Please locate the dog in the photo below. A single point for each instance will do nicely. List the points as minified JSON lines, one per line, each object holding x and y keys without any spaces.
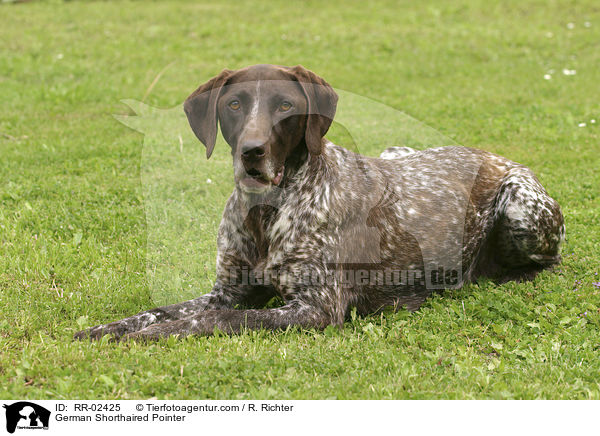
{"x":328,"y":230}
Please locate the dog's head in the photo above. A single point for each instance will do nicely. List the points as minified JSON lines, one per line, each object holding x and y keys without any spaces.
{"x":268,"y":114}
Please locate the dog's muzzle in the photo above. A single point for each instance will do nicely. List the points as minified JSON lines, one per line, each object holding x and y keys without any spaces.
{"x":260,"y":175}
{"x":256,"y":181}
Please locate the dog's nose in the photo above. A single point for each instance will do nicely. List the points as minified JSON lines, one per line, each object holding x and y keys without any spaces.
{"x":253,"y":149}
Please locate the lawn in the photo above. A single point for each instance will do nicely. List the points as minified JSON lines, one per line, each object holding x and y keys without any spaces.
{"x":77,"y":230}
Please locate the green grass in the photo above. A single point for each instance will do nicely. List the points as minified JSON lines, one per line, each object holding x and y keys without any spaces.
{"x":75,"y":240}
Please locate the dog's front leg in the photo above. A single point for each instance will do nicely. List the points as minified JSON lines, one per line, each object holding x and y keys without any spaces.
{"x":220,"y":297}
{"x":144,"y":319}
{"x":234,"y":321}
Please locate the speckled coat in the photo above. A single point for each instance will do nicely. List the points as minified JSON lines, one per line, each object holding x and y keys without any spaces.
{"x":344,"y":230}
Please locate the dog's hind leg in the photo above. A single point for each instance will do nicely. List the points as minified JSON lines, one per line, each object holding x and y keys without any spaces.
{"x":529,"y":226}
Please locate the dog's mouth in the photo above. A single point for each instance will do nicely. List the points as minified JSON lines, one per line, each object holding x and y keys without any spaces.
{"x":255,"y":181}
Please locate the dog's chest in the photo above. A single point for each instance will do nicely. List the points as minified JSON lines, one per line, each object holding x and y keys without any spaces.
{"x":257,"y":223}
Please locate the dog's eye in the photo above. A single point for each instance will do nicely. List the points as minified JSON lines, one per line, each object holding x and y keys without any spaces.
{"x":285,"y":106}
{"x":234,"y":105}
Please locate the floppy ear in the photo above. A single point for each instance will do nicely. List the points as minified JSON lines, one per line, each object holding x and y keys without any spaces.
{"x":322,"y":102}
{"x":201,"y":110}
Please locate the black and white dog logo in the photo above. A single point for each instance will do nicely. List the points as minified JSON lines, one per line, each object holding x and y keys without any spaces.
{"x":26,"y":415}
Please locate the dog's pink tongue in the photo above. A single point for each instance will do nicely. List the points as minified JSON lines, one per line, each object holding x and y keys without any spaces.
{"x":278,"y":177}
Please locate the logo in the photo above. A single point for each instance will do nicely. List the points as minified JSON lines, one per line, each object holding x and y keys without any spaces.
{"x":26,"y":415}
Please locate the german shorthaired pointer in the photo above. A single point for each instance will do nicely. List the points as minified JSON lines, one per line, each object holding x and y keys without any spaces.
{"x":327,"y":229}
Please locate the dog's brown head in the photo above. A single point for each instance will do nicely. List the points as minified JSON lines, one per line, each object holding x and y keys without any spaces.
{"x":269,"y":115}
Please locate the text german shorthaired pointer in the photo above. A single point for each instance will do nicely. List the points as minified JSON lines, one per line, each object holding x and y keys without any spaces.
{"x":327,"y":229}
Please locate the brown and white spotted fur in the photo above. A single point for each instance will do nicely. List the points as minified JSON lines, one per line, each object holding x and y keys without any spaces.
{"x":327,"y":230}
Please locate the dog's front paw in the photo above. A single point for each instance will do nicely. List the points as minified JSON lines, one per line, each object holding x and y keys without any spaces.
{"x":115,"y":329}
{"x":142,"y":336}
{"x":157,"y":331}
{"x":149,"y":334}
